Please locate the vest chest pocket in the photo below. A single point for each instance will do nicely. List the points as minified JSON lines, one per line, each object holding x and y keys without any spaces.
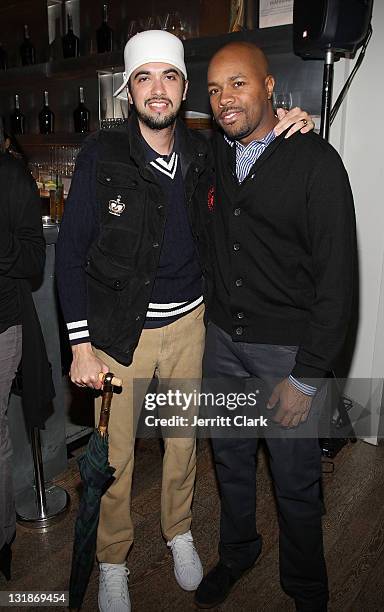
{"x":117,"y":175}
{"x":119,"y":191}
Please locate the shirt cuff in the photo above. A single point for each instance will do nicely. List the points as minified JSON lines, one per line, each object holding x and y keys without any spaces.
{"x":300,"y":386}
{"x":78,"y":332}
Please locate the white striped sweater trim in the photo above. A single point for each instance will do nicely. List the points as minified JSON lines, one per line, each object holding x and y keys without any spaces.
{"x":155,"y":311}
{"x":77,"y":324}
{"x":81,"y":332}
{"x":165,"y":311}
{"x":168,"y":168}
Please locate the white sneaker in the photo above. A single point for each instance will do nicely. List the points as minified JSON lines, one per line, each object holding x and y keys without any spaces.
{"x":187,"y":565}
{"x":113,"y":588}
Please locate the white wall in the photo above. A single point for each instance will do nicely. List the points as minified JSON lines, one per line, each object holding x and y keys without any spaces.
{"x":357,"y":133}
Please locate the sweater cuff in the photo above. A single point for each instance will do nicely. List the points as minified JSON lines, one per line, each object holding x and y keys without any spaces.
{"x":309,"y":375}
{"x":78,"y":332}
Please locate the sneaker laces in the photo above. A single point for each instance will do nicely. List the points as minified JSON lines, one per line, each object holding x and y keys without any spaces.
{"x":183,"y":547}
{"x":115,"y":579}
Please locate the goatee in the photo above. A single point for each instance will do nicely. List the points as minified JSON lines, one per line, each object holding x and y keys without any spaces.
{"x":236,"y":133}
{"x":157,"y":122}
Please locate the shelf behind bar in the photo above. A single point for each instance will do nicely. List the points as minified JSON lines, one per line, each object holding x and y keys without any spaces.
{"x":71,"y":139}
{"x":63,"y":69}
{"x":50,"y":140}
{"x":272,"y":40}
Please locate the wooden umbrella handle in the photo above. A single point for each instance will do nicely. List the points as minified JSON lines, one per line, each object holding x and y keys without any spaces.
{"x":116,"y":382}
{"x":108,"y":380}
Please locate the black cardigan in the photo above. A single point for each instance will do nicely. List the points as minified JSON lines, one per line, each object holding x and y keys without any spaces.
{"x":283,"y":250}
{"x":22,"y":245}
{"x":22,"y":257}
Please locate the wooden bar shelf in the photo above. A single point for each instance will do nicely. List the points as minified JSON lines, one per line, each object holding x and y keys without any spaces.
{"x":272,"y":40}
{"x":49,"y":140}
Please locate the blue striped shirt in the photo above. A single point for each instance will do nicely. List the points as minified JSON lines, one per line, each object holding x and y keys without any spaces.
{"x":246,"y":156}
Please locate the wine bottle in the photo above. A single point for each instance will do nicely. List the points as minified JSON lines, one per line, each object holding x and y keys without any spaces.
{"x":104,"y":34}
{"x":46,"y":118}
{"x":81,"y":114}
{"x":3,"y":58}
{"x":17,"y":118}
{"x":27,"y":50}
{"x":70,"y":41}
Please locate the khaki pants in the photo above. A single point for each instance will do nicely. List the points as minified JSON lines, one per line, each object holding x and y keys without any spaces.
{"x":173,"y":351}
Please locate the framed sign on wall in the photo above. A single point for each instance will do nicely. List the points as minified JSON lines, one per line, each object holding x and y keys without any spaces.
{"x":275,"y":13}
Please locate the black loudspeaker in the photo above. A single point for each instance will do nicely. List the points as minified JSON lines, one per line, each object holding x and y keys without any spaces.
{"x":337,"y":25}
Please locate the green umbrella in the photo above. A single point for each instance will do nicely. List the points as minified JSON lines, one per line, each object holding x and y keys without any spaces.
{"x":97,"y":475}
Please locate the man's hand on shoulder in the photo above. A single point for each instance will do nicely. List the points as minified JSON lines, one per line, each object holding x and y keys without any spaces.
{"x":294,"y":406}
{"x":86,"y":366}
{"x":295,"y":118}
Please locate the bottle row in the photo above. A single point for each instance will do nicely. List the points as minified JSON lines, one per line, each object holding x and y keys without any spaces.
{"x":69,"y":43}
{"x":81,"y":116}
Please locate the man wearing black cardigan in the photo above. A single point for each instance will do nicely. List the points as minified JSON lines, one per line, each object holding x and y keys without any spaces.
{"x":22,"y":257}
{"x":282,"y":230}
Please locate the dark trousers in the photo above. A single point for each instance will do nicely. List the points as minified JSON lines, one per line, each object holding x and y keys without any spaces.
{"x":295,"y":461}
{"x":10,"y":355}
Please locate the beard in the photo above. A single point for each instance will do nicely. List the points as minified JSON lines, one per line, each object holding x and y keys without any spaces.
{"x":157,"y":122}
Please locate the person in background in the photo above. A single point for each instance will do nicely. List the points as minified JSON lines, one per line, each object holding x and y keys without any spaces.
{"x":130,"y":285}
{"x":13,"y":147}
{"x":280,"y":284}
{"x":22,"y":256}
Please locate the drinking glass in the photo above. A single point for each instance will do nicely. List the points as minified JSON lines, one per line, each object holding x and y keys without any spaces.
{"x":173,"y":23}
{"x":148,"y":23}
{"x":161,"y":21}
{"x":282,"y":100}
{"x":133,"y":28}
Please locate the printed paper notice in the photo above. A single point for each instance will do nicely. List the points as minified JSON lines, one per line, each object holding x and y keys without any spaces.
{"x":275,"y":13}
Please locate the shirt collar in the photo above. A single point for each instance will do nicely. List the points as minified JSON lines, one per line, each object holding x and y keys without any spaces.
{"x":263,"y":141}
{"x":151,"y":154}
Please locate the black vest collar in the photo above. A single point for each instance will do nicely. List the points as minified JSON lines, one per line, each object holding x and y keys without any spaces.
{"x":126,"y":143}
